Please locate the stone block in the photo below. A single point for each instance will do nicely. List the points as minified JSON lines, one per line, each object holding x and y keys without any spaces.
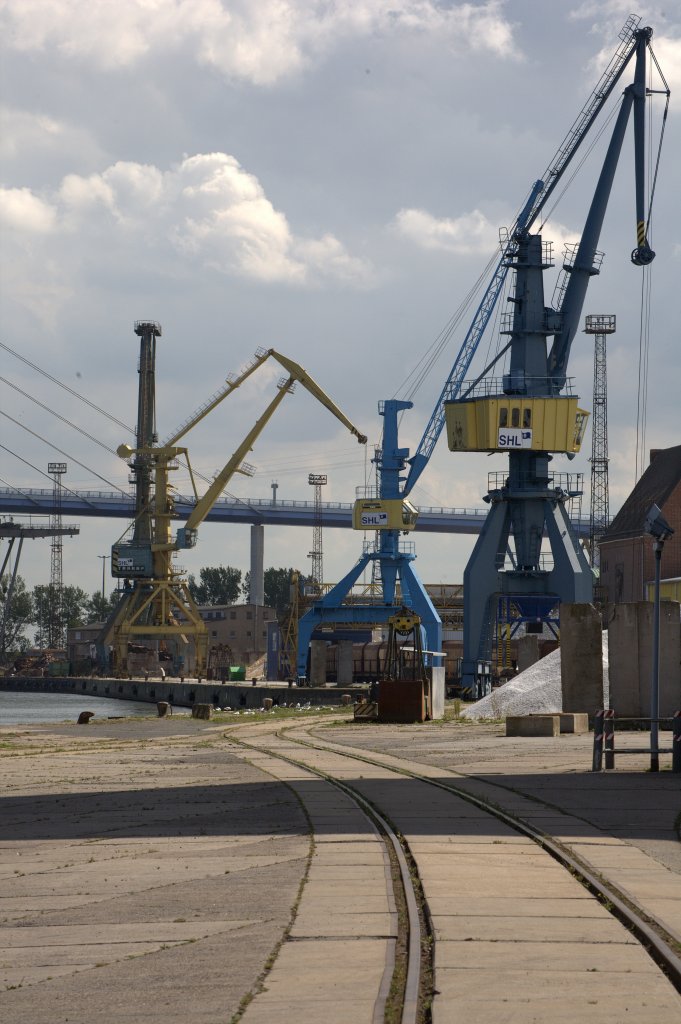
{"x":581,"y":658}
{"x":318,"y":662}
{"x":574,"y":722}
{"x":533,"y":725}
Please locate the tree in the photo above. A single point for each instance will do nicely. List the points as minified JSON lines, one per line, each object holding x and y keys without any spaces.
{"x":221,"y":585}
{"x":99,"y":608}
{"x":277,"y":589}
{"x":15,"y":616}
{"x":73,"y":603}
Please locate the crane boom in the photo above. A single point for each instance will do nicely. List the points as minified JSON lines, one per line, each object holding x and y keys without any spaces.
{"x":186,"y":536}
{"x":539,"y":195}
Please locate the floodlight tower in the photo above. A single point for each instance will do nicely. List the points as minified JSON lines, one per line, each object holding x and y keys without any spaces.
{"x":317,"y":480}
{"x":600,"y":326}
{"x":56,"y":632}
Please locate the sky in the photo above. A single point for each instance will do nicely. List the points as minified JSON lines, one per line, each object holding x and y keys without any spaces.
{"x":325,"y":178}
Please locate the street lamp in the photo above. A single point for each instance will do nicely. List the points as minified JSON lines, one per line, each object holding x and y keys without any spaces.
{"x":660,"y":530}
{"x":104,"y":558}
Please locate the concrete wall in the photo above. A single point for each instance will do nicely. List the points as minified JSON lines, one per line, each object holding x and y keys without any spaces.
{"x":581,"y":658}
{"x":630,"y":655}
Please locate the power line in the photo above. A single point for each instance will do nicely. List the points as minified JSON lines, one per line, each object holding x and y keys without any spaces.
{"x":61,"y":452}
{"x":65,"y":387}
{"x":57,"y":415}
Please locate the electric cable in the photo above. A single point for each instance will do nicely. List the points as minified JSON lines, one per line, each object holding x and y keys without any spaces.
{"x":58,"y":416}
{"x":65,"y":387}
{"x":61,"y":452}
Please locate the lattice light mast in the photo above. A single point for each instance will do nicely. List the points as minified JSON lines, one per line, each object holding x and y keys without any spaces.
{"x":600,"y":326}
{"x":317,"y":480}
{"x":56,"y":631}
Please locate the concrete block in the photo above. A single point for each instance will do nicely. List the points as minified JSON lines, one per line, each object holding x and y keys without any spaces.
{"x":581,"y":658}
{"x":318,"y":662}
{"x":437,"y":693}
{"x":533,"y":725}
{"x":344,"y":669}
{"x":528,"y":651}
{"x":574,"y":722}
{"x":630,"y":653}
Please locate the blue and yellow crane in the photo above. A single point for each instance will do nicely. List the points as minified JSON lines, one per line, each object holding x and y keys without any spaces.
{"x":529,"y":410}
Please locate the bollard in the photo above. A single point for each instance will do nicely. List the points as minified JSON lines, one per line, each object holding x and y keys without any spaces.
{"x":267,"y":703}
{"x":202,"y":710}
{"x":346,"y":699}
{"x":676,"y":742}
{"x":597,"y":758}
{"x":609,"y":738}
{"x":163,"y":707}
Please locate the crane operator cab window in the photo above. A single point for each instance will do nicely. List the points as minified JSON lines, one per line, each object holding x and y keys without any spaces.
{"x":503,"y":417}
{"x":515,"y":416}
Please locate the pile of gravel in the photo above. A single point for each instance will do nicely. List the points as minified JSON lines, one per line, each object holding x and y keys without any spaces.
{"x":535,"y":691}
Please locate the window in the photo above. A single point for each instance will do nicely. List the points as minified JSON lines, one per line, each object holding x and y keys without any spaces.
{"x":515,"y":417}
{"x":249,"y":615}
{"x":232,"y":633}
{"x":248,"y":632}
{"x":232,"y":615}
{"x":527,"y":418}
{"x":503,"y":417}
{"x":213,"y":632}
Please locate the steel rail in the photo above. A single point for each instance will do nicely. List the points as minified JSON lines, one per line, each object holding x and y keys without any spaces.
{"x":651,"y":934}
{"x":410,"y":999}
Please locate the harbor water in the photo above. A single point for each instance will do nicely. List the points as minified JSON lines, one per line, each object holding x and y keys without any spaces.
{"x":48,"y":708}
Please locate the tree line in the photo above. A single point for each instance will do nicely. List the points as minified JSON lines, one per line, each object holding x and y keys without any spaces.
{"x":26,"y":619}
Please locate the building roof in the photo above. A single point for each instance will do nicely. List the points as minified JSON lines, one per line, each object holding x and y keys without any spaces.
{"x":655,"y":487}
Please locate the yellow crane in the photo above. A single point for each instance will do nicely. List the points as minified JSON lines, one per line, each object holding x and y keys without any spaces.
{"x":157,"y":603}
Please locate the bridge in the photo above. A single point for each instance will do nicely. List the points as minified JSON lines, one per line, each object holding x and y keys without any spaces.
{"x":255,"y":511}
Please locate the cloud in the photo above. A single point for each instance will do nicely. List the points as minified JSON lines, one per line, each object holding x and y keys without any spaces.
{"x":25,"y":212}
{"x":259,"y":42}
{"x":208,"y":210}
{"x":470,"y":233}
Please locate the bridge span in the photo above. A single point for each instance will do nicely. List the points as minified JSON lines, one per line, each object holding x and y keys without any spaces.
{"x":255,"y":511}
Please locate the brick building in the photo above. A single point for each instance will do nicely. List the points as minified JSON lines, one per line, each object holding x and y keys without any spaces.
{"x":627,"y":558}
{"x":242,"y":626}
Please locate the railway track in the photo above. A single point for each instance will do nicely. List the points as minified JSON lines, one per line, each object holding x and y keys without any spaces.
{"x":499,"y":920}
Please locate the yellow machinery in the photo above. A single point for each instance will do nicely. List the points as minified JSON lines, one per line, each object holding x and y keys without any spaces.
{"x":505,"y":423}
{"x":157,"y":603}
{"x":384,"y":514}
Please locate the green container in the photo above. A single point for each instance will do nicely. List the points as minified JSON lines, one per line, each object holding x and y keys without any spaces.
{"x":237,"y":673}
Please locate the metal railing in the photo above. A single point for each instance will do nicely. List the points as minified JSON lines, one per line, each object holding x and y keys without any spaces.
{"x":604,"y":740}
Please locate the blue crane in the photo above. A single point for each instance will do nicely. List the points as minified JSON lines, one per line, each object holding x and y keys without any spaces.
{"x":512,"y":413}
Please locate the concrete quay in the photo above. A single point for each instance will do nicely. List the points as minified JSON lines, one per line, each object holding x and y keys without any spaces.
{"x":181,"y":694}
{"x":164,"y":869}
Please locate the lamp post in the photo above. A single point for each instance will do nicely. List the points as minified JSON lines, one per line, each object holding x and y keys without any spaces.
{"x":104,"y":559}
{"x":660,"y":530}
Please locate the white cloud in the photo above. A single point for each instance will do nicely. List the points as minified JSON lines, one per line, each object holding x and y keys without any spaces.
{"x":209,"y":209}
{"x":260,"y":42}
{"x":25,"y":212}
{"x":470,"y":233}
